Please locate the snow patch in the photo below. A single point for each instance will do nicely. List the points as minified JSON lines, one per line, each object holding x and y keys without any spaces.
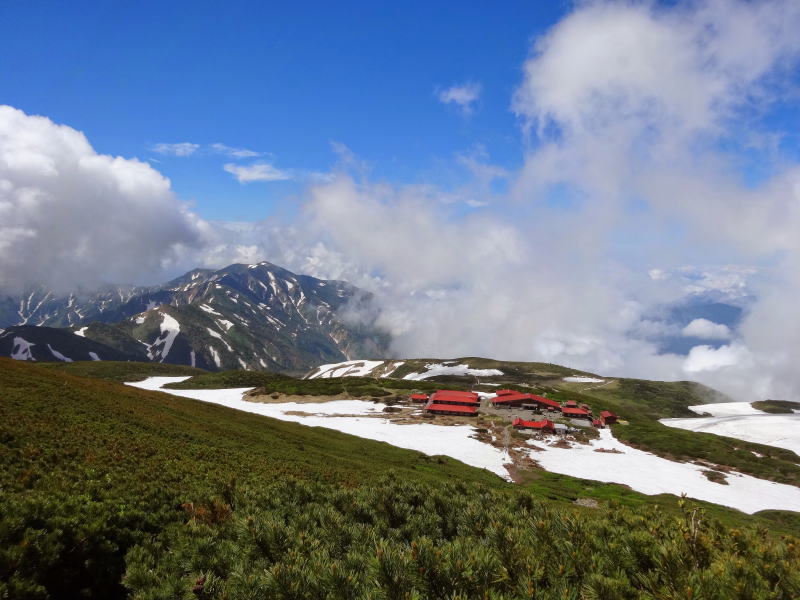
{"x":81,"y":332}
{"x":651,"y":474}
{"x":170,"y":328}
{"x":434,"y":370}
{"x":58,"y":354}
{"x":351,"y":368}
{"x":215,"y":356}
{"x":213,"y":333}
{"x":579,"y":379}
{"x":781,"y":431}
{"x":208,"y":309}
{"x":225,"y":323}
{"x":93,"y":356}
{"x":727,"y":409}
{"x":21,"y":349}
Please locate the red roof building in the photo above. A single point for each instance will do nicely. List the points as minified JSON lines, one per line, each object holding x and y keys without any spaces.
{"x":544,"y":402}
{"x":540,"y":425}
{"x":509,"y":400}
{"x":575,"y":413}
{"x":456,"y":393}
{"x":571,"y":404}
{"x":598,"y":423}
{"x":608,"y":417}
{"x":506,"y":392}
{"x":455,"y":398}
{"x":451,"y":409}
{"x":419,"y":397}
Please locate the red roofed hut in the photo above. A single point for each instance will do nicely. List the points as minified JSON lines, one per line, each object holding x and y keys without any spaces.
{"x":456,"y":399}
{"x":543,"y":402}
{"x":545,"y":425}
{"x":509,"y":400}
{"x":506,"y":392}
{"x":575,"y":413}
{"x":571,"y":404}
{"x":598,"y":423}
{"x":608,"y":417}
{"x":419,"y":397}
{"x":451,"y":409}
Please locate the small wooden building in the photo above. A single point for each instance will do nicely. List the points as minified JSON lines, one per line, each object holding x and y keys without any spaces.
{"x":419,"y":397}
{"x":575,"y":413}
{"x":608,"y":417}
{"x":545,"y":425}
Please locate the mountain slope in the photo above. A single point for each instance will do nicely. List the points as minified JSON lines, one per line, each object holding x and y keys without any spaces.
{"x":27,"y":342}
{"x":114,"y":492}
{"x":260,"y":317}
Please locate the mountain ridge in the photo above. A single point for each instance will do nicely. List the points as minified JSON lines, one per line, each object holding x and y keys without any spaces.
{"x":259,"y":316}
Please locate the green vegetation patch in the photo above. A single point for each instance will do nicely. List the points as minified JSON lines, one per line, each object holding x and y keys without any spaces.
{"x":121,"y":371}
{"x":268,"y":383}
{"x":777,"y":407}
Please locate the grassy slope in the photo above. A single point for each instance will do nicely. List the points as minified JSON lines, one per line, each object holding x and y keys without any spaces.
{"x":777,"y":407}
{"x":121,"y":371}
{"x":89,"y":469}
{"x":86,"y":459}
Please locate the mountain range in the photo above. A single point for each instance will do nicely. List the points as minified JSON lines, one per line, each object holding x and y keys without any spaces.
{"x":256,"y":317}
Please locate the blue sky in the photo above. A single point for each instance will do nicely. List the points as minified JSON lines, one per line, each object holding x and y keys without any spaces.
{"x":283,"y":79}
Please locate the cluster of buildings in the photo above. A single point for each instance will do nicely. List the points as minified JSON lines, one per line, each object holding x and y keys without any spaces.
{"x":452,"y":402}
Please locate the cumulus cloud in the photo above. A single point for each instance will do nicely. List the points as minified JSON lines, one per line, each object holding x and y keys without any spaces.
{"x":706,"y":330}
{"x":72,"y":217}
{"x":180,"y":149}
{"x":464,"y":96}
{"x":258,"y":171}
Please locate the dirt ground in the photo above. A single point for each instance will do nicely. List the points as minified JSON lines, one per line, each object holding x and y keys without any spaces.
{"x":492,"y":425}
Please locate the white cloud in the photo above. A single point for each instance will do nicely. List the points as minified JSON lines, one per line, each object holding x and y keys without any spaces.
{"x":706,"y":330}
{"x":234,"y":152}
{"x":706,"y":358}
{"x":464,"y":96}
{"x":258,"y":171}
{"x":181,"y":149}
{"x":70,"y":217}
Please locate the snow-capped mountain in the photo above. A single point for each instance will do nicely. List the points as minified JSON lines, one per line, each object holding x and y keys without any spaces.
{"x":243,"y":316}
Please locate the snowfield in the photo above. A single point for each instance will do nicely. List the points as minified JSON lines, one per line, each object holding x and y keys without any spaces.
{"x":642,"y":471}
{"x":651,"y":474}
{"x":578,"y":379}
{"x":781,"y":431}
{"x":727,"y":409}
{"x":351,"y":368}
{"x":434,"y":370}
{"x":452,"y":441}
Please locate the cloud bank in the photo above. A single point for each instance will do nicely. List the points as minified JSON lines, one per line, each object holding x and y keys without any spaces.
{"x":70,"y":217}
